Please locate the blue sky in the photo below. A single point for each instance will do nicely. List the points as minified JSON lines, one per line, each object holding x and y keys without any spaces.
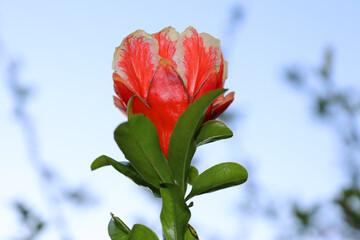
{"x":66,"y":50}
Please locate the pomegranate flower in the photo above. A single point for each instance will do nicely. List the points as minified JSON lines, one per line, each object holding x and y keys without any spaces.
{"x":166,"y":72}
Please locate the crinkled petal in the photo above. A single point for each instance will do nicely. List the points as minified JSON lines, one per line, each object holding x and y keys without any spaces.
{"x":225,"y":74}
{"x":136,"y":60}
{"x":197,"y":56}
{"x":167,"y":39}
{"x":220,"y":105}
{"x":222,"y":75}
{"x":119,"y":103}
{"x":168,"y":99}
{"x":121,"y":90}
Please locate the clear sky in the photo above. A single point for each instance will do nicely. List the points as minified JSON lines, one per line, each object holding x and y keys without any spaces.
{"x":66,"y":50}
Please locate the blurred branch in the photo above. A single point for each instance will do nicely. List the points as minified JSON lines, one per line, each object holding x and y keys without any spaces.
{"x":338,"y":107}
{"x":21,"y":94}
{"x":32,"y":224}
{"x":55,"y":192}
{"x":236,"y":17}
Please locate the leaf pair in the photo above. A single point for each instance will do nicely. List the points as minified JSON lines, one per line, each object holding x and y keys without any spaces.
{"x":175,"y":213}
{"x":174,"y":216}
{"x":119,"y":231}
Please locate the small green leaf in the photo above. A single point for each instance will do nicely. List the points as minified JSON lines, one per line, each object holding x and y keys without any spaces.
{"x":139,"y":141}
{"x":175,"y":214}
{"x":220,"y":176}
{"x":117,"y":229}
{"x":126,"y":169}
{"x":212,"y":131}
{"x":140,"y":232}
{"x":182,"y":145}
{"x":191,"y":233}
{"x":194,"y":173}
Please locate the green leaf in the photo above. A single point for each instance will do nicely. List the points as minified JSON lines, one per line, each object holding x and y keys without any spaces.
{"x":191,"y":233}
{"x":194,"y":173}
{"x":182,"y":145}
{"x":175,"y":214}
{"x":220,"y":176}
{"x":212,"y":131}
{"x":139,"y":141}
{"x":117,"y":229}
{"x":126,"y":169}
{"x":140,"y":232}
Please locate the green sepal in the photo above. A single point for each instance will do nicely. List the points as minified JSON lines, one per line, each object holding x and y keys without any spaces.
{"x":140,"y":232}
{"x":212,"y":131}
{"x":174,"y":214}
{"x":130,"y":107}
{"x":117,"y":229}
{"x":182,"y":145}
{"x":139,"y":141}
{"x":220,"y":176}
{"x":126,"y":169}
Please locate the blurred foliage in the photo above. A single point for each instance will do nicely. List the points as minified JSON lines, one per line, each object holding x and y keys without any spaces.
{"x":235,"y":18}
{"x":336,"y":107}
{"x":56,"y":193}
{"x":349,"y":202}
{"x":32,"y":224}
{"x":304,"y":216}
{"x":339,"y":109}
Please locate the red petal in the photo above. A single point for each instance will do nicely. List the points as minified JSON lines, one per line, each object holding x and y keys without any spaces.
{"x":167,"y":39}
{"x":197,"y":57}
{"x":220,"y":105}
{"x":209,"y":85}
{"x":167,"y":98}
{"x":119,"y":103}
{"x":120,"y":89}
{"x":136,"y":60}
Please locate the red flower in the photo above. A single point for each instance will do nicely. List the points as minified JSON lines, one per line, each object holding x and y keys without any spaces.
{"x":166,"y":72}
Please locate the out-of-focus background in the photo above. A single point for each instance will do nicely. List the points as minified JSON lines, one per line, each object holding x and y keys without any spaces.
{"x":294,"y":66}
